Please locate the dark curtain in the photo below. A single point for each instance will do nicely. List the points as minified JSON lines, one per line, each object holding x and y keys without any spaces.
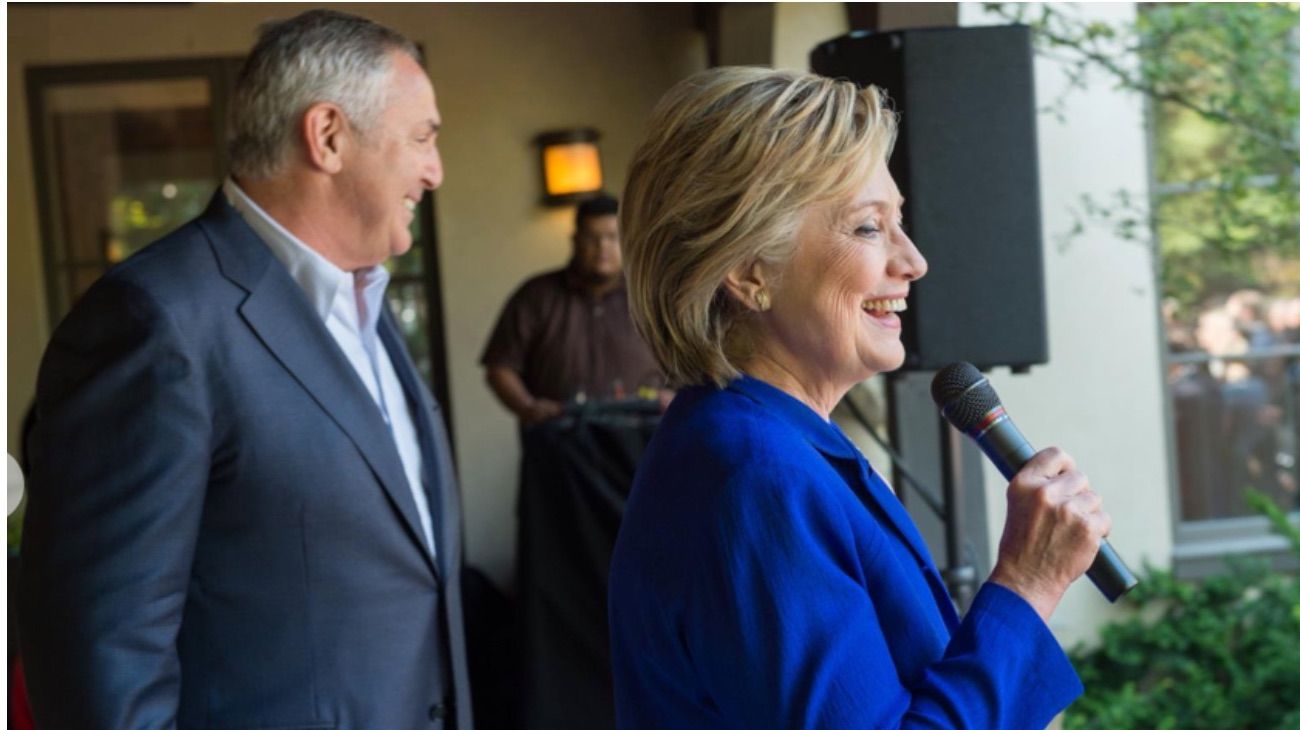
{"x":574,"y":481}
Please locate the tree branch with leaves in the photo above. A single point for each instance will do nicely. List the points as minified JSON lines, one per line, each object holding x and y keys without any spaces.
{"x":1222,"y":83}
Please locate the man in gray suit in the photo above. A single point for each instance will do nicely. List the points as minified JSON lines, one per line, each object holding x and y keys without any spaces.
{"x":242,"y":511}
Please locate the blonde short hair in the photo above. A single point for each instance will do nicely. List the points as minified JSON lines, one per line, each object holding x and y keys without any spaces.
{"x":733,"y":159}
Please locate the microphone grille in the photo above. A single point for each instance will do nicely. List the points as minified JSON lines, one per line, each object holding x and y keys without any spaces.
{"x":963,"y":394}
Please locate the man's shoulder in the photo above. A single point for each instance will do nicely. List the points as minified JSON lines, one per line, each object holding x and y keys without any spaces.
{"x":179,"y":271}
{"x":538,"y":290}
{"x":547,"y":282}
{"x":183,"y":256}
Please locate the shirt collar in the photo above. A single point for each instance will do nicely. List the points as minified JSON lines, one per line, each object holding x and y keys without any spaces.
{"x":825,"y":436}
{"x":374,"y":281}
{"x":319,"y":279}
{"x":573,"y":280}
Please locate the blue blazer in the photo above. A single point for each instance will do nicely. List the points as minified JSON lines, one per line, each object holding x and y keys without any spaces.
{"x":220,"y":533}
{"x":766,"y":577}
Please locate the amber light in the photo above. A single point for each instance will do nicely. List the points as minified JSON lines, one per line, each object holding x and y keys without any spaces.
{"x":570,"y":165}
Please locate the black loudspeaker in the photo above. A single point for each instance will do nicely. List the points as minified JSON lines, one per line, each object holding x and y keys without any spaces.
{"x":966,"y":161}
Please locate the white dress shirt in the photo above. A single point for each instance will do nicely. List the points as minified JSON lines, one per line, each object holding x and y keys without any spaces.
{"x":334,"y":294}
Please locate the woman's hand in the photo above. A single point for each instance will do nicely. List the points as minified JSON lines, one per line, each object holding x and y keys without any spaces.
{"x":1054,"y":528}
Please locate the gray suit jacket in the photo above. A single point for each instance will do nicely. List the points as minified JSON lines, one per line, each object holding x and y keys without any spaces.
{"x":220,"y":533}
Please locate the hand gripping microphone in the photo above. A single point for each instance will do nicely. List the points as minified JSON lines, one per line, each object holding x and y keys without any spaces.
{"x":970,"y":404}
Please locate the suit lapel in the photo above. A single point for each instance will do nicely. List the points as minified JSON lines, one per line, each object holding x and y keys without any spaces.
{"x":277,"y":310}
{"x":903,"y":524}
{"x":895,"y":515}
{"x":436,"y":484}
{"x":444,"y":499}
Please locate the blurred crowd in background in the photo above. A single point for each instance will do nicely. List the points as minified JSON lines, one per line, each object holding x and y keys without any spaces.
{"x":1234,"y":374}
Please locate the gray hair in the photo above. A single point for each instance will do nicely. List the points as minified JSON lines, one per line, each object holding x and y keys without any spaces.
{"x":319,"y":55}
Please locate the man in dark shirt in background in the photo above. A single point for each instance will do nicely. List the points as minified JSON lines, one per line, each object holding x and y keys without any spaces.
{"x":566,"y":334}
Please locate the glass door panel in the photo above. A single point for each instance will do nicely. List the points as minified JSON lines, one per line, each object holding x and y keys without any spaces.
{"x":130,"y":162}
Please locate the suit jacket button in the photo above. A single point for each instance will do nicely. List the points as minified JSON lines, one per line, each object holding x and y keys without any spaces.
{"x":437,"y":712}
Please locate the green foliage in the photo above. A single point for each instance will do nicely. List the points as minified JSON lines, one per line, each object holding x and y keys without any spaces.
{"x":1221,"y":82}
{"x":1222,"y":653}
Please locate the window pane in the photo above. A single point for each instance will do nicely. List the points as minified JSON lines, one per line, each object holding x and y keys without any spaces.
{"x":410,"y":306}
{"x":131,"y":162}
{"x":80,"y":278}
{"x":1191,"y":148}
{"x":1235,"y":430}
{"x":1223,"y":76}
{"x":1227,"y":217}
{"x":1213,"y":244}
{"x":410,"y":263}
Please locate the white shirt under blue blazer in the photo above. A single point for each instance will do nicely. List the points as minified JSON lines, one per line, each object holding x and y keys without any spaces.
{"x":766,"y":577}
{"x":221,"y":532}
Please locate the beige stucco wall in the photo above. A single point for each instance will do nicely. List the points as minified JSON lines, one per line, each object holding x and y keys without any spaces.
{"x":800,"y":27}
{"x":779,"y":35}
{"x":502,"y":73}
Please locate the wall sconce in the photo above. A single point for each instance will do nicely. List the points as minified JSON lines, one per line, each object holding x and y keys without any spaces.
{"x":570,"y":165}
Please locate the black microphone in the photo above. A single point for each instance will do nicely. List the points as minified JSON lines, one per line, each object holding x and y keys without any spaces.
{"x":969,"y":403}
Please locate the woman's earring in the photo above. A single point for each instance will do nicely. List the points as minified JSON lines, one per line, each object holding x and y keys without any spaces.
{"x":763,"y":301}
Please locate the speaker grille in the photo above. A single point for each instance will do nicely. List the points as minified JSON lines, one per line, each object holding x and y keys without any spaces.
{"x":963,"y":394}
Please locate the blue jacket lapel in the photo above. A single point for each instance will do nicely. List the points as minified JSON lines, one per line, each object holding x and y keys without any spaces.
{"x":277,"y":310}
{"x":902,"y":523}
{"x":835,"y":446}
{"x":895,"y":514}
